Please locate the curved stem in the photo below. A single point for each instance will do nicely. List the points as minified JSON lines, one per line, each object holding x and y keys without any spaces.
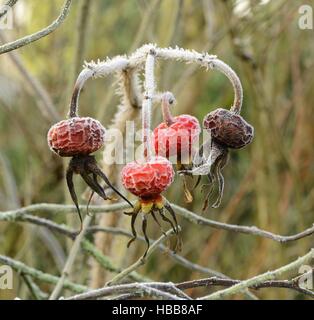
{"x":167,"y":99}
{"x":205,"y":60}
{"x":83,"y":76}
{"x":236,"y":83}
{"x":94,"y":69}
{"x":147,"y":102}
{"x":147,"y":54}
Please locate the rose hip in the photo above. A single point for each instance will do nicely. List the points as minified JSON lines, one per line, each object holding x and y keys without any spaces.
{"x":148,"y":179}
{"x":76,"y":136}
{"x":228,"y":128}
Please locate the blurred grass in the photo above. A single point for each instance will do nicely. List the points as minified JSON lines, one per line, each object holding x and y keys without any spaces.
{"x":268,"y":184}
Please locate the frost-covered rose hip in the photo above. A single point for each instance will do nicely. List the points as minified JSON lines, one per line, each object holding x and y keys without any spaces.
{"x":76,"y":136}
{"x":147,"y":180}
{"x":176,"y":135}
{"x":176,"y":138}
{"x":228,"y":128}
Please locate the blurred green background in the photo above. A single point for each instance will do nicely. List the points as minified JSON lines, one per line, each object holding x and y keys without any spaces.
{"x":268,"y":184}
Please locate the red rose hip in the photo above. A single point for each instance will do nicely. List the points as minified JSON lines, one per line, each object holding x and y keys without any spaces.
{"x":176,"y":135}
{"x":76,"y":136}
{"x":148,"y":179}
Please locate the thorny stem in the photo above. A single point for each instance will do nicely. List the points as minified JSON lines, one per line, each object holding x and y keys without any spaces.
{"x":167,"y":99}
{"x":147,"y":102}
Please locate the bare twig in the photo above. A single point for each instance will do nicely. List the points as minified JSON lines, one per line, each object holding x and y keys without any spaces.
{"x":39,"y":34}
{"x":132,"y":290}
{"x":71,"y":258}
{"x":106,"y":263}
{"x":253,"y":230}
{"x":147,"y":288}
{"x":33,"y":288}
{"x":140,"y":261}
{"x":177,"y":258}
{"x":214,"y":281}
{"x":24,"y":217}
{"x":19,"y":215}
{"x":23,"y":214}
{"x":54,"y":208}
{"x":22,"y":268}
{"x":270,"y":275}
{"x":45,"y":105}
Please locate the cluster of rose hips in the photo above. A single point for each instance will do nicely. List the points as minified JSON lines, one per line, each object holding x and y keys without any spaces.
{"x":78,"y":137}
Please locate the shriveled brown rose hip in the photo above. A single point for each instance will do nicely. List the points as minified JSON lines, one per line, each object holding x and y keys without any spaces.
{"x":228,"y":128}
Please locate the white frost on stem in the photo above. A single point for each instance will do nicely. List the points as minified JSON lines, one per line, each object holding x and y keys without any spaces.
{"x":94,"y":70}
{"x":149,"y":86}
{"x":234,"y":79}
{"x":138,"y":60}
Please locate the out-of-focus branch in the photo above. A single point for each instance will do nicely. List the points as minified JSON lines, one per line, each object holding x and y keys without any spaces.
{"x":53,"y":208}
{"x":46,"y":106}
{"x":257,"y":280}
{"x":71,"y":258}
{"x":82,"y":29}
{"x":22,"y":268}
{"x":106,"y":263}
{"x":39,"y":34}
{"x":136,"y":289}
{"x":24,"y":217}
{"x":267,"y":282}
{"x":214,"y":281}
{"x":253,"y":230}
{"x":23,"y":214}
{"x":147,"y":288}
{"x":177,"y":258}
{"x":140,"y":261}
{"x":33,"y":288}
